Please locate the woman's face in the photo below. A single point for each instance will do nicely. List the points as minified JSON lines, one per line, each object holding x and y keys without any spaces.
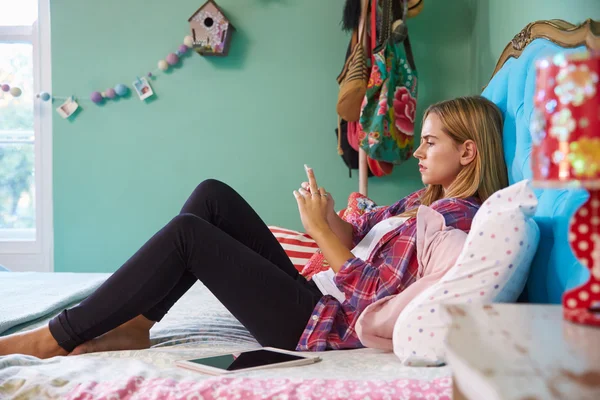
{"x":440,"y":157}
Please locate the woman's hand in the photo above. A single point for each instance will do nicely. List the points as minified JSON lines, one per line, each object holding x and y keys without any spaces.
{"x":330,"y":201}
{"x":341,"y":228}
{"x":313,"y":204}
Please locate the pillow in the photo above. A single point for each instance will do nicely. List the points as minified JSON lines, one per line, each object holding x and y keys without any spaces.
{"x":438,"y":247}
{"x":358,"y":204}
{"x":298,"y":246}
{"x":492,"y":267}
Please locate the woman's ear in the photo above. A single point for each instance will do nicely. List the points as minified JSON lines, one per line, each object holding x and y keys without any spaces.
{"x":469,"y":152}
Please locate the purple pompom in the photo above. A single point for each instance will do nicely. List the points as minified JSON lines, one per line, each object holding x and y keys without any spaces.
{"x":172,"y":59}
{"x":5,"y":87}
{"x":183,"y":49}
{"x":149,"y":74}
{"x":110,"y":93}
{"x":96,"y":97}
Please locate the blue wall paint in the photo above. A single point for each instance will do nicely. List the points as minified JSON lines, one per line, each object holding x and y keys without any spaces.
{"x":252,"y":119}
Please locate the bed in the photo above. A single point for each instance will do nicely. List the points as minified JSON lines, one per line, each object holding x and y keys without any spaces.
{"x":191,"y":331}
{"x":186,"y":332}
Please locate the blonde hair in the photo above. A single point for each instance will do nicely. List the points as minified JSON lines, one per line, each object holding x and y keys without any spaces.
{"x":478,"y":119}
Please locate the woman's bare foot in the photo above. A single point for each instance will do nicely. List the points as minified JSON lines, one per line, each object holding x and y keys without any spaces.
{"x":132,"y":335}
{"x":38,"y":343}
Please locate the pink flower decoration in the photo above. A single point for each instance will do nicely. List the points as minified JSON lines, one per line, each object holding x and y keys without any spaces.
{"x":374,"y":78}
{"x":383,"y":106}
{"x":404,"y":110}
{"x":373,"y":138}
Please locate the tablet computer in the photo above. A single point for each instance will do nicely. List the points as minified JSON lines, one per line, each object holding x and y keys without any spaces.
{"x":266,"y":357}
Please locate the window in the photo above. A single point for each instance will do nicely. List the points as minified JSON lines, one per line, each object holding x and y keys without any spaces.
{"x":25,"y":136}
{"x":17,"y":155}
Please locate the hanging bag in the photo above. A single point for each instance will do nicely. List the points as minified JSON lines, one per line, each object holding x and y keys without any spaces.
{"x":388,"y":110}
{"x":354,"y":75}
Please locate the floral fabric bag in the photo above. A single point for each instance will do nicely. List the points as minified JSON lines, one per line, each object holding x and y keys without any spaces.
{"x":388,"y":110}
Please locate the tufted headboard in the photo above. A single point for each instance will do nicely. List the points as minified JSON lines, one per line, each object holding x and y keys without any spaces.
{"x":554,"y":267}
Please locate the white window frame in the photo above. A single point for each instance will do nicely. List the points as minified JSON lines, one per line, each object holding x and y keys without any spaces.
{"x":38,"y":254}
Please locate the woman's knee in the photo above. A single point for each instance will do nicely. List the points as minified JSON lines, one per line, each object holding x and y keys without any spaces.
{"x":186,"y":222}
{"x":213,"y":188}
{"x":211,"y":185}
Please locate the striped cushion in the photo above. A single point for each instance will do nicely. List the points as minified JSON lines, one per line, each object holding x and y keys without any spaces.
{"x":297,"y":245}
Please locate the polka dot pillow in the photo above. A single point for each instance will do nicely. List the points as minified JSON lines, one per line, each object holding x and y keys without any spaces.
{"x":493,"y":266}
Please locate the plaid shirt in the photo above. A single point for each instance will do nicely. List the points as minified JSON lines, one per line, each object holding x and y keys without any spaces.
{"x":391,"y":268}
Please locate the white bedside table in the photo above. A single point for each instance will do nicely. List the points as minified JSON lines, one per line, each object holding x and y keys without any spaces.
{"x":521,"y":351}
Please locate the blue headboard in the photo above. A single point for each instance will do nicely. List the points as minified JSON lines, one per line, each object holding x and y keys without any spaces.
{"x":554,"y":267}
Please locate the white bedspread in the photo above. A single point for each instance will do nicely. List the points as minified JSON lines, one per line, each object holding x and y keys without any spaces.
{"x":198,"y":325}
{"x":26,"y":296}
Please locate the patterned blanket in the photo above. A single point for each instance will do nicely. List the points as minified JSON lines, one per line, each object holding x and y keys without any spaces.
{"x":197,"y":326}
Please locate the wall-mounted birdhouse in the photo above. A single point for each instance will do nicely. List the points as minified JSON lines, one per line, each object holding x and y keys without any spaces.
{"x":211,"y":30}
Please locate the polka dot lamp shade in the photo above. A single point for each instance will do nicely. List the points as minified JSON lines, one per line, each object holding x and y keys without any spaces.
{"x":565,"y":131}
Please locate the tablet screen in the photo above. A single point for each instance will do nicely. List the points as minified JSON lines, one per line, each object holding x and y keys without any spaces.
{"x":247,"y":359}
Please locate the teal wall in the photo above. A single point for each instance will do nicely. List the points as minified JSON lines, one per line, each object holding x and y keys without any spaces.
{"x":497,"y":22}
{"x":252,"y":119}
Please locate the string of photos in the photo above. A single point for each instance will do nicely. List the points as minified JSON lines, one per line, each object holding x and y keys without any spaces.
{"x":211,"y":36}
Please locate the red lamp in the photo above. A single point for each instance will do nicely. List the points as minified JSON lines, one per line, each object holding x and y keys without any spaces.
{"x":565,"y":133}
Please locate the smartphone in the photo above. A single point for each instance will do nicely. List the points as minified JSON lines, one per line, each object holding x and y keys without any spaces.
{"x":266,"y":357}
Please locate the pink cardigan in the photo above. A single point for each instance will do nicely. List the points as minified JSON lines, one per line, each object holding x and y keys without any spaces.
{"x":438,"y":248}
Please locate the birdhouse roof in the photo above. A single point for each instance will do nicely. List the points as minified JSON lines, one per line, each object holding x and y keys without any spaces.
{"x":204,"y":5}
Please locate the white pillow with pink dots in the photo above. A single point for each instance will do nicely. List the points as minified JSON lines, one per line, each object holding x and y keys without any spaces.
{"x":492,"y":267}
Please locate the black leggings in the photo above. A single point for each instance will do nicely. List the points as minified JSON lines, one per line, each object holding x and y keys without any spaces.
{"x":220,"y":240}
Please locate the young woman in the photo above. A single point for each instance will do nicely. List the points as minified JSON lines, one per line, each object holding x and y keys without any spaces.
{"x":219,"y":239}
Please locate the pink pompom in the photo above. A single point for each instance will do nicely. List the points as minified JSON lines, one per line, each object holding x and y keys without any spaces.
{"x":110,"y":93}
{"x":172,"y":59}
{"x":5,"y":87}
